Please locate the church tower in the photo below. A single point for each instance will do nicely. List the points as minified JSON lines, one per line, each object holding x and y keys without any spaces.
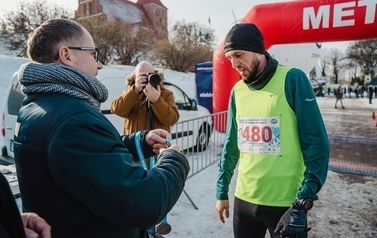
{"x":158,"y":15}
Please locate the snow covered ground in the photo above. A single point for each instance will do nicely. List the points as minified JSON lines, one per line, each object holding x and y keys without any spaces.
{"x":347,"y":206}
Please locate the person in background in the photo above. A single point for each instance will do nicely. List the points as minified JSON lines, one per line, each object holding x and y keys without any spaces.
{"x":73,"y":167}
{"x":362,"y":90}
{"x":16,"y":225}
{"x":146,"y":106}
{"x":339,"y":96}
{"x":140,"y":96}
{"x":349,"y":91}
{"x":356,"y":91}
{"x":276,"y":135}
{"x":370,"y":93}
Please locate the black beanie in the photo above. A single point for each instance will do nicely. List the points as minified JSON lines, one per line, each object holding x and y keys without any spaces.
{"x":244,"y":36}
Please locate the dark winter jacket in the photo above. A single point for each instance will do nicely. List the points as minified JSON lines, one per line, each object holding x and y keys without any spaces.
{"x":76,"y":172}
{"x":10,"y":220}
{"x":339,"y":93}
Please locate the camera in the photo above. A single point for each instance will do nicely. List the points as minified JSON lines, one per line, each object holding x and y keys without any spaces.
{"x":154,"y":79}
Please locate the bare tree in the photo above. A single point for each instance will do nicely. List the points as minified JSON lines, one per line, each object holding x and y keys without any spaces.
{"x":352,"y":68}
{"x":313,"y":73}
{"x":364,"y":53}
{"x":336,"y":57}
{"x":193,"y":32}
{"x":119,"y":41}
{"x":17,"y":25}
{"x":181,"y":55}
{"x":186,"y":46}
{"x":104,"y":34}
{"x":131,"y":41}
{"x":324,"y":62}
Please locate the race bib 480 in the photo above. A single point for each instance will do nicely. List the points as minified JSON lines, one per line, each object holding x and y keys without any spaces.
{"x":259,"y":135}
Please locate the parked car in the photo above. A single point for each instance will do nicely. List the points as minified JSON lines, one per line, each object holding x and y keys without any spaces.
{"x":193,"y":129}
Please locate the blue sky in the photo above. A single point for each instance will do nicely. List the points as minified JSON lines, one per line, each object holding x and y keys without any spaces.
{"x":222,"y":13}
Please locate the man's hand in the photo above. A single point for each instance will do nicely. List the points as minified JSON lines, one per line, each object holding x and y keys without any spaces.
{"x":221,"y":206}
{"x":140,"y":82}
{"x":293,"y":221}
{"x":152,"y":93}
{"x":35,"y":226}
{"x":157,"y":139}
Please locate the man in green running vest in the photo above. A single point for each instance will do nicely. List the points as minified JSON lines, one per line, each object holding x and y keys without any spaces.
{"x":276,"y":135}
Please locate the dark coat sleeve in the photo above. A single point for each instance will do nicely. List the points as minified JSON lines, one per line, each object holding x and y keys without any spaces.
{"x":10,"y":219}
{"x":91,"y":162}
{"x":130,"y":142}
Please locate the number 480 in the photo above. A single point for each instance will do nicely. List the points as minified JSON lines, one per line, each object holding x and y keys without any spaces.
{"x":256,"y":134}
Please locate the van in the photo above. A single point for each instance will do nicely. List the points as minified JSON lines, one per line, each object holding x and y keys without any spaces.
{"x":12,"y":104}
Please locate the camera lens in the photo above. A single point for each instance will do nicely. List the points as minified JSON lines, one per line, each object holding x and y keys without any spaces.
{"x":154,"y":80}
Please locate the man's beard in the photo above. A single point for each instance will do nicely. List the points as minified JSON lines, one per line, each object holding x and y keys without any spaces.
{"x":253,"y":72}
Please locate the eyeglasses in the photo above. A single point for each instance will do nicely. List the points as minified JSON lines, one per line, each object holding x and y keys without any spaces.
{"x":95,"y":49}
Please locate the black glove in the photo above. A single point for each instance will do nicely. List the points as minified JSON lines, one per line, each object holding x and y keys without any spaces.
{"x":293,"y":221}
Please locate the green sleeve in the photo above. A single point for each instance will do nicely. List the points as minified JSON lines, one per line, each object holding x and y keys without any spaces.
{"x":230,"y":154}
{"x":312,"y":133}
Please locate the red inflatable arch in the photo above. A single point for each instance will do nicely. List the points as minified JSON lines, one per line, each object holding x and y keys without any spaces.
{"x":296,"y":22}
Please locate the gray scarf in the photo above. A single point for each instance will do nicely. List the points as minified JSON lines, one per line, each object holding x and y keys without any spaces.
{"x":57,"y":78}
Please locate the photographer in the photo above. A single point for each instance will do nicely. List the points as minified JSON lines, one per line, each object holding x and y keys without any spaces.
{"x":140,"y":95}
{"x":146,"y":104}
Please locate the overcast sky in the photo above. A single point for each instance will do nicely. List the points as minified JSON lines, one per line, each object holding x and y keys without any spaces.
{"x":223,"y":13}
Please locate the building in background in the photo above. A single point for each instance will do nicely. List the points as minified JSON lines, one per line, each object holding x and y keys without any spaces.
{"x":151,"y":14}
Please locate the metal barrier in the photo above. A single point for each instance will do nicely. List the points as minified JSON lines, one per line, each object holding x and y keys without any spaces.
{"x":207,"y":147}
{"x":201,"y":158}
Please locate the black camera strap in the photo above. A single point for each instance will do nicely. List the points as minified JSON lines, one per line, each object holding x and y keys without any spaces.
{"x":150,"y":115}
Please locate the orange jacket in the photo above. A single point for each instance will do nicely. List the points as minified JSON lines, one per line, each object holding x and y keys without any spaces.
{"x":133,"y":108}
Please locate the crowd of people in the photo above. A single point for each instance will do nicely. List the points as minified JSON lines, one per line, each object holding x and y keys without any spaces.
{"x":368,"y":91}
{"x":340,"y":92}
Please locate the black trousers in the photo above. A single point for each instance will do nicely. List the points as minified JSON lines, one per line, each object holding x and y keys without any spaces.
{"x":252,"y":221}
